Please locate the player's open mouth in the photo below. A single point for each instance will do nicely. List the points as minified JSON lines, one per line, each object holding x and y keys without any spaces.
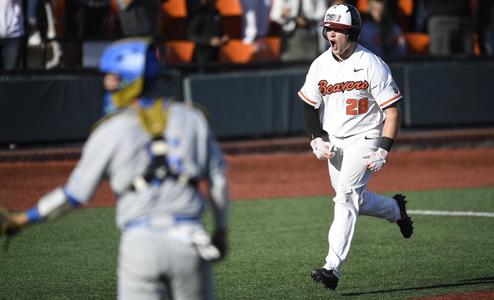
{"x":332,"y":43}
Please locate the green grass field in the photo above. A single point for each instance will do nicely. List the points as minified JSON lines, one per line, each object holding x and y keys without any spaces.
{"x":274,"y":246}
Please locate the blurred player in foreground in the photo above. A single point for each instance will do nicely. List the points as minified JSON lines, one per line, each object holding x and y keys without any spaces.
{"x":352,"y":93}
{"x":154,"y":153}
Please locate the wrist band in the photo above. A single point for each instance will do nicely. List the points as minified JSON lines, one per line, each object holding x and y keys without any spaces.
{"x":33,"y":215}
{"x":386,"y":143}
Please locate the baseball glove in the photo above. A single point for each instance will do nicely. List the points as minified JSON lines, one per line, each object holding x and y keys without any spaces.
{"x":7,"y":226}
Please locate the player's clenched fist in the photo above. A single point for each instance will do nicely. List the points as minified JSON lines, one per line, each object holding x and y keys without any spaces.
{"x":323,"y":150}
{"x":376,"y":160}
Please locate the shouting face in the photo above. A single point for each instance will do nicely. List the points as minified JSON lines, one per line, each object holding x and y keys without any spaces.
{"x":341,"y":46}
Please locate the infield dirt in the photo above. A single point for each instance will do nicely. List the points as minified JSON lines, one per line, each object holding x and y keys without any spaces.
{"x":278,"y":175}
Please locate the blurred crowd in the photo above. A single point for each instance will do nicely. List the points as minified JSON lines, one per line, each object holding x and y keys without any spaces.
{"x":287,"y":30}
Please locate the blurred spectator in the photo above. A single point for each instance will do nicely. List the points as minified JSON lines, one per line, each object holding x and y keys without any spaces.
{"x":485,"y":23}
{"x":190,"y":4}
{"x":419,"y":18}
{"x":300,"y":30}
{"x":255,"y":19}
{"x":53,"y":11}
{"x":204,"y":29}
{"x":139,"y":17}
{"x":32,"y":18}
{"x":334,"y":2}
{"x":380,"y":34}
{"x":450,"y":27}
{"x":83,"y":19}
{"x":11,"y":34}
{"x":86,"y":18}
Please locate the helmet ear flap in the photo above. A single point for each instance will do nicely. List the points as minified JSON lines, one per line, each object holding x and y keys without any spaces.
{"x":324,"y":33}
{"x":353,"y":35}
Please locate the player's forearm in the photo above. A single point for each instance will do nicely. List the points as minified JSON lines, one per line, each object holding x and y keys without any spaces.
{"x":392,"y":123}
{"x":50,"y":206}
{"x":391,"y":127}
{"x":312,"y":123}
{"x":220,"y":201}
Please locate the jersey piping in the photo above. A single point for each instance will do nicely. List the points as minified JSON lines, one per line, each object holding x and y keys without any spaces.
{"x":390,"y":101}
{"x":305,"y":99}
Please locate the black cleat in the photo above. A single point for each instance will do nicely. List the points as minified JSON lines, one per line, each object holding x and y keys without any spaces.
{"x":326,"y":277}
{"x":405,"y":223}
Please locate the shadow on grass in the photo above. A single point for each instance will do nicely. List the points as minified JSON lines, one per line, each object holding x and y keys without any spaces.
{"x":465,"y":282}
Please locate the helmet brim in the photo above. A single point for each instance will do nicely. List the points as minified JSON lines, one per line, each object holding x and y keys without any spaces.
{"x":336,"y":25}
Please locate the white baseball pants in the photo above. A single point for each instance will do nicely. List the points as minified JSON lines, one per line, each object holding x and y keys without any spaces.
{"x":349,"y":178}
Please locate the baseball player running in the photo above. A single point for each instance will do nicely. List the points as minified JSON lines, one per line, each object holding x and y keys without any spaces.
{"x":352,"y":118}
{"x":153,"y":152}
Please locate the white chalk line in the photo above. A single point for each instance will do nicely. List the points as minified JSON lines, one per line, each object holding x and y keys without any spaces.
{"x":451,"y":213}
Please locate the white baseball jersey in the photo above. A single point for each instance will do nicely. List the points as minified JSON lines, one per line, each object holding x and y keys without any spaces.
{"x":352,"y":92}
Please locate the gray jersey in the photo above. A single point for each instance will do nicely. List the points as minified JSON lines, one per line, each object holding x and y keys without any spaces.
{"x":119,"y":150}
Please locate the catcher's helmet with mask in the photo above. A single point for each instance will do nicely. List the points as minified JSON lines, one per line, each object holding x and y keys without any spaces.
{"x":136,"y":63}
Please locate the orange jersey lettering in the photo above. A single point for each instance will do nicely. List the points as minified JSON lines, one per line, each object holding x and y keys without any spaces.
{"x":326,"y":89}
